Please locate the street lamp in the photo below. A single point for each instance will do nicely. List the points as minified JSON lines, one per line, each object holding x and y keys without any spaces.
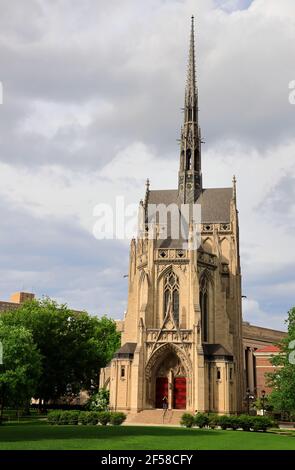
{"x":248,"y":400}
{"x":249,"y":397}
{"x":263,"y":400}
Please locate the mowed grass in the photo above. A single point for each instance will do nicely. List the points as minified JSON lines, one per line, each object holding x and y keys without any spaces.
{"x":41,"y":436}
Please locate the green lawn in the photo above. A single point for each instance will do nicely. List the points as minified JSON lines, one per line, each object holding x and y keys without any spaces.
{"x":41,"y":436}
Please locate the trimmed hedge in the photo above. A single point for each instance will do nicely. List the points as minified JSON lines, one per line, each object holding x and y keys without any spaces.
{"x":53,"y":417}
{"x":244,"y":422}
{"x":224,"y":422}
{"x":93,"y":418}
{"x":213,"y":421}
{"x":262,"y":423}
{"x":201,"y":420}
{"x":117,"y":418}
{"x":104,"y":417}
{"x":84,"y":418}
{"x":187,"y":420}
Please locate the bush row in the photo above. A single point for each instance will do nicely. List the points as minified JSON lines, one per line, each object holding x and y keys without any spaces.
{"x":245,"y":422}
{"x":86,"y":417}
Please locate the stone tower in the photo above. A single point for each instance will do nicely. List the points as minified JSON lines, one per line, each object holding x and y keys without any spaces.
{"x":182,"y":333}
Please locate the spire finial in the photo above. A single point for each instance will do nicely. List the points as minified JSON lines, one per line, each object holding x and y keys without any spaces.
{"x":147,"y":184}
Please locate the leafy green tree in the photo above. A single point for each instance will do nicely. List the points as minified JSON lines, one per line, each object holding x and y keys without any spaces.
{"x":107,"y":339}
{"x":73,"y":345}
{"x":282,"y":380}
{"x":21,"y":368}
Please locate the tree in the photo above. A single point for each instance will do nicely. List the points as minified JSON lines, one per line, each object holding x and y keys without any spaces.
{"x":282,"y":380}
{"x":21,"y":368}
{"x":73,"y":345}
{"x":107,"y":339}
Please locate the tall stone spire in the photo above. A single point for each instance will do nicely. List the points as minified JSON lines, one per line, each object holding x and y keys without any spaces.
{"x":190,"y":176}
{"x":190,"y":90}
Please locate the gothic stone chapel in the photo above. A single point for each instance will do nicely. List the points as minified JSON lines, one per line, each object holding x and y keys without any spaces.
{"x":182,"y":332}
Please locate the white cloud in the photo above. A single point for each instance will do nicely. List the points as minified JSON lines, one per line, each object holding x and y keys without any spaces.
{"x":91,"y":109}
{"x":253,"y":314}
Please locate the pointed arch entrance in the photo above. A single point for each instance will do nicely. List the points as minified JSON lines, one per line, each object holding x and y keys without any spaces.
{"x":168,"y":376}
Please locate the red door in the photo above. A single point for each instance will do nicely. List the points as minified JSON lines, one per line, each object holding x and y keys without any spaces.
{"x":179,"y":393}
{"x":161,"y":390}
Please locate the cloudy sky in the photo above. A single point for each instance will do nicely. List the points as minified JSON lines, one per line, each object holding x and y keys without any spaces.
{"x":92,"y":97}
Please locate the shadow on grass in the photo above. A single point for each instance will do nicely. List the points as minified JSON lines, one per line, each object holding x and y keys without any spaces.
{"x":14,"y":432}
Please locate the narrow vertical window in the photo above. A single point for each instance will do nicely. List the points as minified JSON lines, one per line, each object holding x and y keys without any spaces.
{"x":176,"y":306}
{"x":188,"y":159}
{"x":204,"y":301}
{"x":171,"y":294}
{"x":166,"y":301}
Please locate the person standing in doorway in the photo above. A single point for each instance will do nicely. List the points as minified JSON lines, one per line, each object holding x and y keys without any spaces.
{"x":165,"y":403}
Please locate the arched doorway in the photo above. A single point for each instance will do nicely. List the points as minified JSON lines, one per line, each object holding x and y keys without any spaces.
{"x":169,"y":379}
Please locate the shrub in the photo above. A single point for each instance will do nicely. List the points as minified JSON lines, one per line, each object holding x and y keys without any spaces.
{"x":64,"y":417}
{"x":88,"y":417}
{"x":201,"y":420}
{"x":104,"y":417}
{"x":83,"y":417}
{"x":117,"y":418}
{"x":213,"y":421}
{"x":73,"y":417}
{"x":187,"y":420}
{"x":99,"y":401}
{"x":261,"y":423}
{"x":54,"y":416}
{"x":235,"y":422}
{"x":224,"y":422}
{"x":246,"y":422}
{"x":69,"y":417}
{"x":93,"y":417}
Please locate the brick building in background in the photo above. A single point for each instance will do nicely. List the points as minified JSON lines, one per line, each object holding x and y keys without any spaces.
{"x":264,"y":366}
{"x":259,"y":345}
{"x":15,"y":301}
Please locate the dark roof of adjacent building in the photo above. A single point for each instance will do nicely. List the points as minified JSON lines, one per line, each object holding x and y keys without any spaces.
{"x":216,"y":350}
{"x":215,"y":202}
{"x":126,"y":351}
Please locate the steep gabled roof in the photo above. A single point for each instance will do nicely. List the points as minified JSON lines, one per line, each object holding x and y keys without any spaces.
{"x":215,"y":202}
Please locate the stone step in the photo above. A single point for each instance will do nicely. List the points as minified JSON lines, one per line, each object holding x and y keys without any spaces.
{"x":155,"y":417}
